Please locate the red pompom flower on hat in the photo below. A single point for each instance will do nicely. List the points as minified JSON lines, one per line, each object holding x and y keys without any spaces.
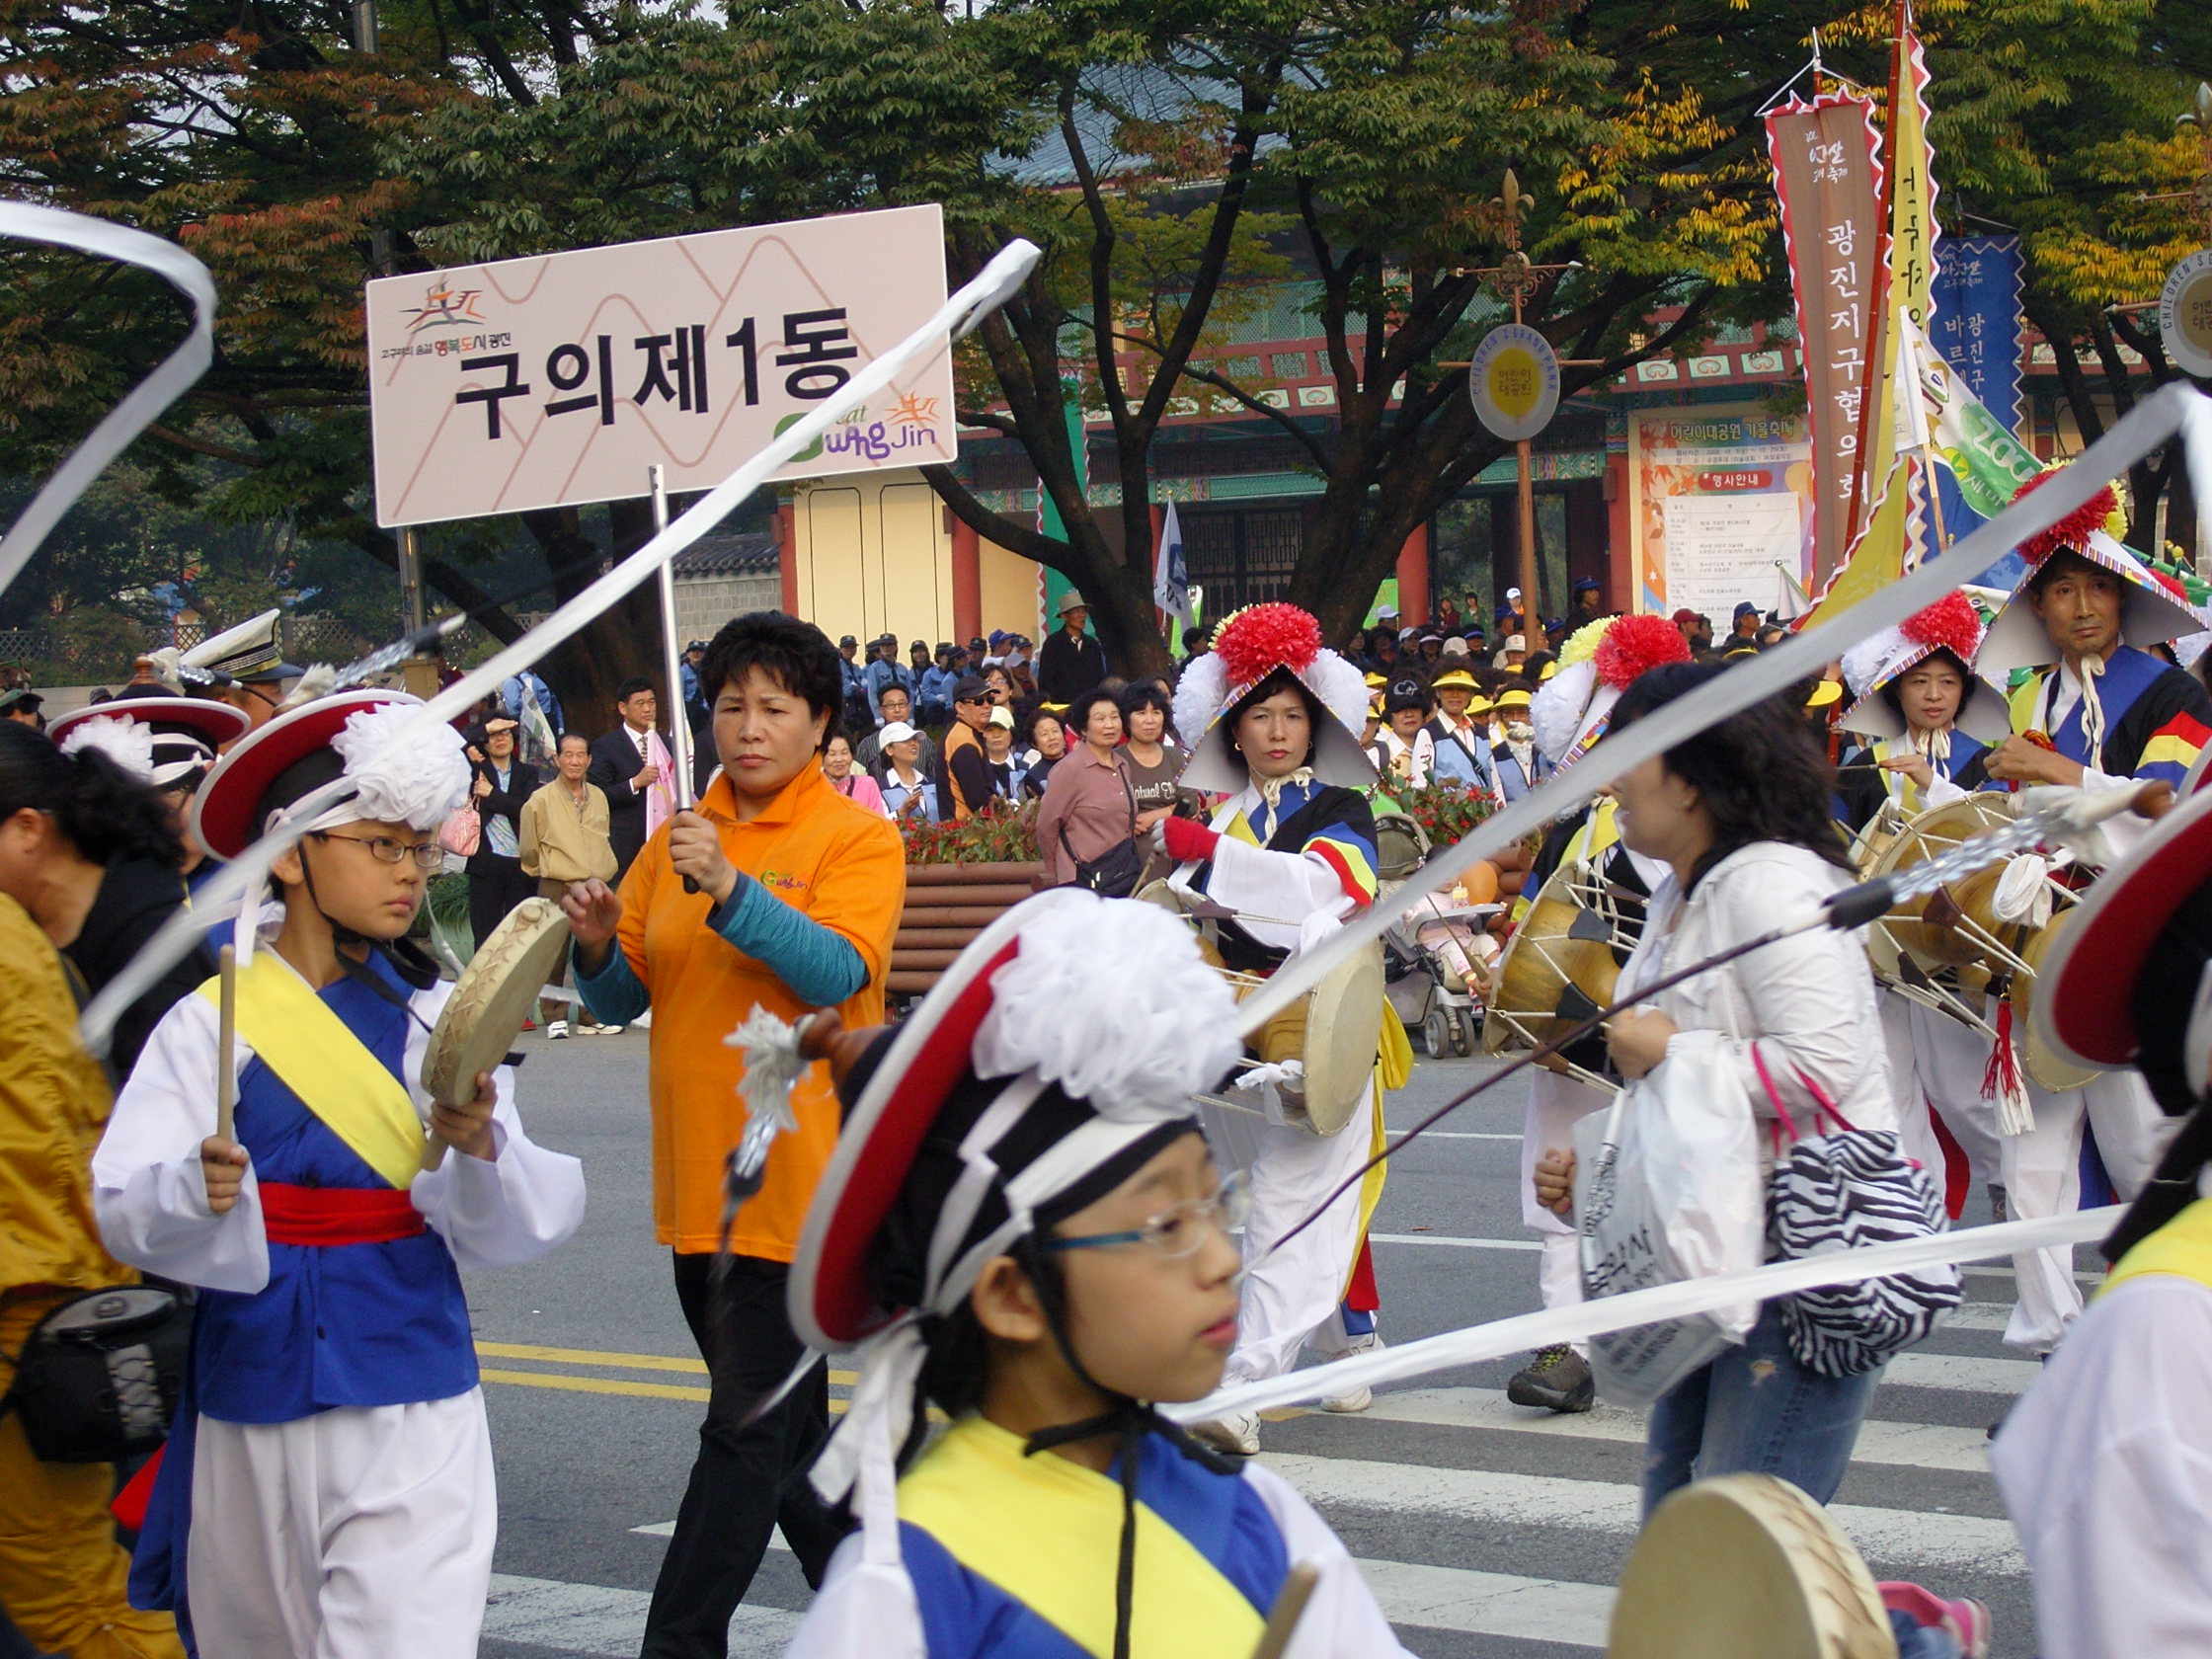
{"x":1261,"y":638}
{"x":1950,"y":623}
{"x":1635,"y":644}
{"x":2072,"y":532}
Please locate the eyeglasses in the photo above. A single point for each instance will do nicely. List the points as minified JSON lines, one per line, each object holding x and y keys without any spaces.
{"x":386,"y":850}
{"x":1178,"y":1231}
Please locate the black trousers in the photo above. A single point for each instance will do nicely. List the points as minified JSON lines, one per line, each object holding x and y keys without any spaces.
{"x":496,"y":885}
{"x":745,"y":1481}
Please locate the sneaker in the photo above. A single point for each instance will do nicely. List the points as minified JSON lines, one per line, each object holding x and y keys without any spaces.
{"x":1965,"y":1620}
{"x":1996,"y":1202}
{"x":1557,"y":1378}
{"x":1237,"y":1434}
{"x":1355,"y":1399}
{"x":556,"y":1030}
{"x":644,"y":1021}
{"x":529,"y":1025}
{"x":610,"y":1031}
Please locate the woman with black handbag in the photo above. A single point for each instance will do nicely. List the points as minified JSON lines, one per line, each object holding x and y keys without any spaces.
{"x":1086,"y":825}
{"x":61,"y":1574}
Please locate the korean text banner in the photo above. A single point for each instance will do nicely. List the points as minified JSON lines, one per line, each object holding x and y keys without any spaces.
{"x":558,"y":381}
{"x":1828,"y":176}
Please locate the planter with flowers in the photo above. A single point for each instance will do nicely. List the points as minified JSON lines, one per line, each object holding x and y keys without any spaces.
{"x":960,"y":879}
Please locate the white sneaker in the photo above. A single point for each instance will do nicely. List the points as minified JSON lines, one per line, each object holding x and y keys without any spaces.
{"x":1354,"y":1399}
{"x":555,"y":1032}
{"x":610,"y":1031}
{"x":1238,"y":1433}
{"x":644,"y":1021}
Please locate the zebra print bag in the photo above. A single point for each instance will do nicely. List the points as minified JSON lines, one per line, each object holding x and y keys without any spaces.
{"x":1840,"y":1191}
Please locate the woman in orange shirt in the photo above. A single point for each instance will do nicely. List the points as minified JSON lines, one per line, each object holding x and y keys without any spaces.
{"x":794,"y":896}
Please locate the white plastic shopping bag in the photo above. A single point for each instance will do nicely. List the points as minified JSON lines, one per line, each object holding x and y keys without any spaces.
{"x":1667,"y":1188}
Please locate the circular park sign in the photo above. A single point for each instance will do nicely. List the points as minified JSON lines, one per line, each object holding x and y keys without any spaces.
{"x":1514,"y":381}
{"x":2186,"y":314}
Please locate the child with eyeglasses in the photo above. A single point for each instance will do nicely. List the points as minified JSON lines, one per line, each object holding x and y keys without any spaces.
{"x":327,"y":1485}
{"x":1023,"y":1227}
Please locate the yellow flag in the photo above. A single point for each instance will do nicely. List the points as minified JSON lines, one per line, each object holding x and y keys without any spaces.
{"x":1878,"y":558}
{"x":1912,"y":242}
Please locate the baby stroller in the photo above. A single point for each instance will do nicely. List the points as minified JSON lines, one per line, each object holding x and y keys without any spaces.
{"x":1436,"y":958}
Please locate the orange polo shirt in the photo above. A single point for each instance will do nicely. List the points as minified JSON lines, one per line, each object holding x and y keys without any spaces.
{"x":835,"y":862}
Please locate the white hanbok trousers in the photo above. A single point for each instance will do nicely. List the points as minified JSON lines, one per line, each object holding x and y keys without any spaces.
{"x":360,"y":1533}
{"x":2043,"y":1177}
{"x":1290,"y":1296}
{"x":1557,"y":1104}
{"x":1937,"y":1066}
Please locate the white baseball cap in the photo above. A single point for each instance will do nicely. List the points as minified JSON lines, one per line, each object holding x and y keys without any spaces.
{"x":896,"y":731}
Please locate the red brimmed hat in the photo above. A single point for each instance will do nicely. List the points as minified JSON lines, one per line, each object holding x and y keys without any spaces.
{"x":2085,"y":987}
{"x":213,"y":723}
{"x":402,"y":773}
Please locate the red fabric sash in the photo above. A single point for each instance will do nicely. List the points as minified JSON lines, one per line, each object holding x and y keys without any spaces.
{"x":294,"y":1214}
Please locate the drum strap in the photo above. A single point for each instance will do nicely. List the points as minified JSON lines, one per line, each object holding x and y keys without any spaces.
{"x":315,"y":1054}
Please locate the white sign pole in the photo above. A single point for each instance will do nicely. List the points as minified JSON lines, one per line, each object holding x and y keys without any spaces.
{"x":672,"y":648}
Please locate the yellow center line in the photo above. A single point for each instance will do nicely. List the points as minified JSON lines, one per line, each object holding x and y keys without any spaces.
{"x":614,"y":1361}
{"x":618,"y":1386}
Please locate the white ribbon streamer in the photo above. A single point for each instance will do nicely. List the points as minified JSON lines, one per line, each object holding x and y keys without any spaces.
{"x":1526,"y":1332}
{"x":23,"y":222}
{"x":990,"y":289}
{"x":2176,"y":407}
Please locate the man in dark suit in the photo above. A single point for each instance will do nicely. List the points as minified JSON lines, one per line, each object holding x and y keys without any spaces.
{"x":623,"y":769}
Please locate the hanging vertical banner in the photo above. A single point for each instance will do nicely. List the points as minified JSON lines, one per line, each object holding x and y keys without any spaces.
{"x":1828,"y":177}
{"x":1977,"y":326}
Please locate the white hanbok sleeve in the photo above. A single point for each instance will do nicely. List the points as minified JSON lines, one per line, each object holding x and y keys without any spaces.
{"x":2105,"y":1467}
{"x":150,"y":1192}
{"x":864,"y":1609}
{"x":1343,"y":1616}
{"x":505,"y":1211}
{"x":1299,"y":889}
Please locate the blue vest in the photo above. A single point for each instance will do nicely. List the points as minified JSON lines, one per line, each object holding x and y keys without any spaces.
{"x":343,"y":1324}
{"x":2128,"y":674}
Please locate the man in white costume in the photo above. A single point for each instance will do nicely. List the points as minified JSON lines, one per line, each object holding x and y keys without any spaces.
{"x":327,"y":1486}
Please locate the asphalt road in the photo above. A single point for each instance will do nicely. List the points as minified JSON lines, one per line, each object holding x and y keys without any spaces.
{"x":1487,"y":1529}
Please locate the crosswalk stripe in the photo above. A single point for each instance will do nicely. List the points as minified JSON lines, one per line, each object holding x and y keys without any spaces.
{"x":1545,"y":1609}
{"x":1452,"y":1241}
{"x":1964,"y":1372}
{"x":1906,"y":1444}
{"x":594,"y":1619}
{"x":1889,"y":1538}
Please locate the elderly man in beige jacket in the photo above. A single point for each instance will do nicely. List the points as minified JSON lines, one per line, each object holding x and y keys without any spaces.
{"x":563,"y":837}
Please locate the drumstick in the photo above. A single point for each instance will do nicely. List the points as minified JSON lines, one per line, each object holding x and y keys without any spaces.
{"x":1290,"y":1607}
{"x":226,"y":1033}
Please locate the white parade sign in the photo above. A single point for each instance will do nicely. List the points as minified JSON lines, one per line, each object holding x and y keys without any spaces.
{"x":558,"y":381}
{"x":1514,"y":381}
{"x":2186,"y":314}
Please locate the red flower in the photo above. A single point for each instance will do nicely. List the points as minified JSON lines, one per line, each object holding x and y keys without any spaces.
{"x":1261,"y":638}
{"x":2072,"y":532}
{"x":1951,"y":624}
{"x":1634,"y":644}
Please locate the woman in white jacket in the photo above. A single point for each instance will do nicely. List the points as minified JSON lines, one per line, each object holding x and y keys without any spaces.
{"x":1740,"y":815}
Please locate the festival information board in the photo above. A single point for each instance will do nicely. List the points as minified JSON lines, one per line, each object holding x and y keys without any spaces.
{"x":1716,"y":495}
{"x":558,"y":381}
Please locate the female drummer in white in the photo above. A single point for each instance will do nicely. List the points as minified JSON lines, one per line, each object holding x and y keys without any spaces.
{"x":1927,"y":722}
{"x":327,"y":1486}
{"x":1275,"y":720}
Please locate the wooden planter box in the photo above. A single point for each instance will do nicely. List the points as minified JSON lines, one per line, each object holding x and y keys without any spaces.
{"x":947,"y":905}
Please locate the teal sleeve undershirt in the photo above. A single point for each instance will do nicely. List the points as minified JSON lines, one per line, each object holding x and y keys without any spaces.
{"x":821,"y":966}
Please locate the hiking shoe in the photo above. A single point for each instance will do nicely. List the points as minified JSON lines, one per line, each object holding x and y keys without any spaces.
{"x":1557,"y":1378}
{"x":1237,"y":1434}
{"x":1997,"y":1201}
{"x":1355,"y":1399}
{"x":556,"y":1030}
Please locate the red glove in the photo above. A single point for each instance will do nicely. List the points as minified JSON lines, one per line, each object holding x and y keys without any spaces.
{"x":1188,"y":840}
